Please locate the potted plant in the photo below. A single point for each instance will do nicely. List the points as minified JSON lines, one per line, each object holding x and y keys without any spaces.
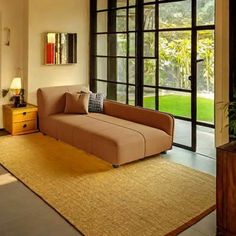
{"x":232,"y":119}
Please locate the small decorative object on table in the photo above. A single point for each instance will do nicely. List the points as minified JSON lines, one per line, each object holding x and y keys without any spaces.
{"x":20,"y":120}
{"x":18,"y":94}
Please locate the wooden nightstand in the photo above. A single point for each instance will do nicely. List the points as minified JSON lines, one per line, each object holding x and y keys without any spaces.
{"x":22,"y":120}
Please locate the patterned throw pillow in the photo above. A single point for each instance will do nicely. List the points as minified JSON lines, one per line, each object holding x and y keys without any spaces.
{"x":96,"y":102}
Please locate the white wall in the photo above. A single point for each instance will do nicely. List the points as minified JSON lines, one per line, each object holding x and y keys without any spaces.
{"x":57,"y":16}
{"x":12,"y":57}
{"x":28,"y":20}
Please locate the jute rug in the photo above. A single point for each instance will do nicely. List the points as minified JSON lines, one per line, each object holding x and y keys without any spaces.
{"x":150,"y":197}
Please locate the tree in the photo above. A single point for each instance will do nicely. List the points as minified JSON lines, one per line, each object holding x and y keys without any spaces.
{"x":174,"y":46}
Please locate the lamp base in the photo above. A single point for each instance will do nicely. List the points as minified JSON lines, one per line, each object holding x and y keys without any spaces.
{"x":16,"y":101}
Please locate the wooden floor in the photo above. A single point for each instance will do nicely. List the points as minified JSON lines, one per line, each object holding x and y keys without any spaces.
{"x":22,"y":213}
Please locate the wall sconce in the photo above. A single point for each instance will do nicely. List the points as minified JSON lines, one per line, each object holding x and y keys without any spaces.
{"x":7,"y":36}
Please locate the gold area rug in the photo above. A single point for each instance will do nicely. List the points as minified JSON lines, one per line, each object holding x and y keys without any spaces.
{"x":150,"y":197}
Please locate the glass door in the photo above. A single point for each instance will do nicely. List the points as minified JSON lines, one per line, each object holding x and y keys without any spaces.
{"x":167,"y":64}
{"x":205,"y":78}
{"x":177,"y":37}
{"x":158,"y":54}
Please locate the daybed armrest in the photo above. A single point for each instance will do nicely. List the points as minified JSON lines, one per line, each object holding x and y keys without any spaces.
{"x":140,"y":115}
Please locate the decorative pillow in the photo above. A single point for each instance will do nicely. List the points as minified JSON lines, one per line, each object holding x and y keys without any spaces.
{"x":96,"y":102}
{"x":77,"y":103}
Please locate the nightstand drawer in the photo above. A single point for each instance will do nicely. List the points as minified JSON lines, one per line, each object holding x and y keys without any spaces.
{"x":24,"y":116}
{"x":20,"y":120}
{"x":24,"y":127}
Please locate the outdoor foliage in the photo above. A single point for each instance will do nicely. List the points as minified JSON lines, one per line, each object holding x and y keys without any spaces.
{"x":175,"y":46}
{"x":173,"y":62}
{"x":232,"y":118}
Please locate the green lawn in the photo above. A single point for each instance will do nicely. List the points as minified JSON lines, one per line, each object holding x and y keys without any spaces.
{"x":181,"y":106}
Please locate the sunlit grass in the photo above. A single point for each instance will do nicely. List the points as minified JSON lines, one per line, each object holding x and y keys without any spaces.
{"x":181,"y":106}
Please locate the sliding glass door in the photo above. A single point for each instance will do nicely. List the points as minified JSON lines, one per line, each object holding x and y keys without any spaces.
{"x":158,"y":55}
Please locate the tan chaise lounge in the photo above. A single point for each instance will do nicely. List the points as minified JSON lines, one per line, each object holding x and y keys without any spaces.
{"x":122,"y":134}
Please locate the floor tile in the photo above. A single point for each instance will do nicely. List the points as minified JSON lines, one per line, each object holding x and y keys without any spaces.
{"x":2,"y":170}
{"x":23,"y":213}
{"x":191,"y":232}
{"x":207,"y":225}
{"x":193,"y":160}
{"x":6,"y":178}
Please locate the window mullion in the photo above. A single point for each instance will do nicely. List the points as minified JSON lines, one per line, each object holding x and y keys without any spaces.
{"x":157,"y":55}
{"x":127,"y":53}
{"x":112,"y":45}
{"x":139,"y":54}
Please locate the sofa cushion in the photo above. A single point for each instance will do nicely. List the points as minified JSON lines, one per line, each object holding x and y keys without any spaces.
{"x":116,"y":140}
{"x":156,"y":140}
{"x":76,"y":103}
{"x":96,"y":102}
{"x":113,"y":143}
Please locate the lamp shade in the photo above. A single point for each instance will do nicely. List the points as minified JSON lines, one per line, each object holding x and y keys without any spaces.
{"x":16,"y":83}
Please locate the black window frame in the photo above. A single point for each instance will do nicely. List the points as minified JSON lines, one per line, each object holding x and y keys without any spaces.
{"x":139,"y":57}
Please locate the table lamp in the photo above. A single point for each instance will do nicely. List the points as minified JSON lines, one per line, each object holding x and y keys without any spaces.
{"x":15,"y":88}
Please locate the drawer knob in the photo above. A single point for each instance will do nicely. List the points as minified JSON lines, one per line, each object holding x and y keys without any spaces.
{"x":25,"y":125}
{"x":24,"y":113}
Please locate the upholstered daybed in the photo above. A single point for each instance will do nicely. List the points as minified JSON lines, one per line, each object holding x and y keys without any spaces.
{"x":120,"y":135}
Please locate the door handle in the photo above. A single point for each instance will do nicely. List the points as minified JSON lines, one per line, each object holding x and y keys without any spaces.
{"x":190,"y":78}
{"x":199,"y":60}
